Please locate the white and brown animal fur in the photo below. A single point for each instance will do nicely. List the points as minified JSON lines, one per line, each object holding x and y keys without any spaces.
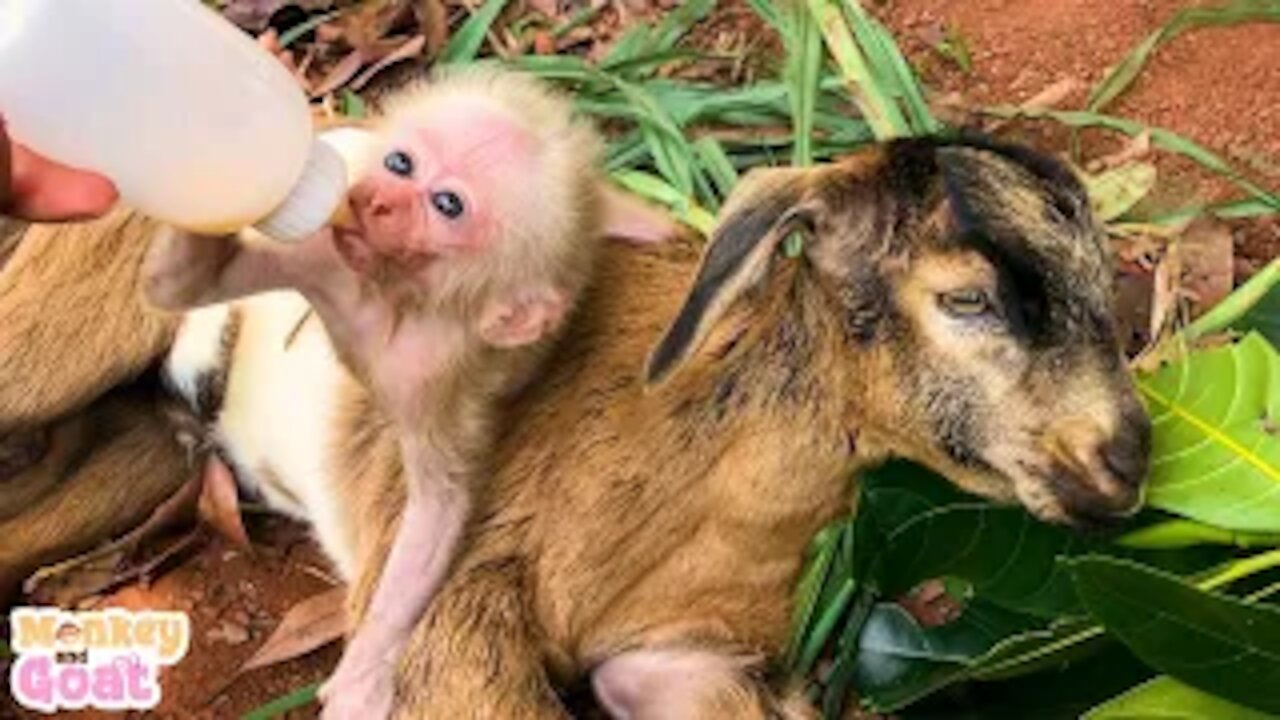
{"x":649,"y":510}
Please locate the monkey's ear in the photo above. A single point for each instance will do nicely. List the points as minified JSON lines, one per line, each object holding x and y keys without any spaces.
{"x":763,"y":210}
{"x":525,"y":319}
{"x":631,"y":219}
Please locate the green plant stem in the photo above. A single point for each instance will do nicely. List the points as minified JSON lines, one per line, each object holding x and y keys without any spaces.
{"x":1181,"y":533}
{"x":1241,"y":569}
{"x":1231,"y":309}
{"x":291,"y":35}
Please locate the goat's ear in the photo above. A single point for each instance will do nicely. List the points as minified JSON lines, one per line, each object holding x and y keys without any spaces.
{"x":762,"y":211}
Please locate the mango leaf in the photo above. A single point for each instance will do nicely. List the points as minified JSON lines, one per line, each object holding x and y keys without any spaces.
{"x":1264,"y":316}
{"x":1062,"y":693}
{"x":1114,"y":192}
{"x":1168,"y":699}
{"x":899,"y":661}
{"x":929,"y":529}
{"x":1210,"y":641}
{"x":1216,"y":448}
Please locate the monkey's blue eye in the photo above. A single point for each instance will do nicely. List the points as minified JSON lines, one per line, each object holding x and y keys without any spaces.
{"x":399,"y":163}
{"x":448,"y":203}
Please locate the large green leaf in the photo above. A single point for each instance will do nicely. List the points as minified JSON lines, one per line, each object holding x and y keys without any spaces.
{"x":1167,"y":699}
{"x":926,"y":528}
{"x":1210,"y":641}
{"x":899,"y":662}
{"x":1216,"y":453}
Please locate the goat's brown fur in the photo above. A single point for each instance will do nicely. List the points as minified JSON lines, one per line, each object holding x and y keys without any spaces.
{"x":73,"y":320}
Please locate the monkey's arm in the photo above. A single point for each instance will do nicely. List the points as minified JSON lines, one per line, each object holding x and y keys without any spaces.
{"x":183,"y":270}
{"x":72,"y":322}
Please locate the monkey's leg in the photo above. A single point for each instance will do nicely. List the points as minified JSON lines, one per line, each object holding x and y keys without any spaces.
{"x":416,"y":566}
{"x":130,"y":467}
{"x":72,"y":322}
{"x":475,"y":655}
{"x":686,"y":684}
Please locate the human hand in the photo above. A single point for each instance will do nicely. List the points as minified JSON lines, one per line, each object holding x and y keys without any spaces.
{"x":36,"y":188}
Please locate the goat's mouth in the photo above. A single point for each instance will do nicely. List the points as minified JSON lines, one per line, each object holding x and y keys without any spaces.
{"x":1092,"y":497}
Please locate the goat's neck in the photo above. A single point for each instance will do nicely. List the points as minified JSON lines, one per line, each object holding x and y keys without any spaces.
{"x":772,"y":413}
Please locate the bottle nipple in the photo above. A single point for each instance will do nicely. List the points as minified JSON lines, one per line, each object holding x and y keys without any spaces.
{"x":318,"y":198}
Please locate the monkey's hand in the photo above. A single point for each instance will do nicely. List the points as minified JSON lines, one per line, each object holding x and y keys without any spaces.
{"x":183,"y":270}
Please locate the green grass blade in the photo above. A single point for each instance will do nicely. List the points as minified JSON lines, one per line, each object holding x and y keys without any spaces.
{"x":768,"y":11}
{"x":661,"y":192}
{"x":1123,"y":74}
{"x":1164,"y":139}
{"x":464,"y":46}
{"x":804,"y":65}
{"x":809,"y":592}
{"x":1227,"y":211}
{"x":644,"y":40}
{"x":713,"y":158}
{"x":277,"y":708}
{"x":890,"y":68}
{"x":290,"y":36}
{"x":873,"y":100}
{"x":824,"y":627}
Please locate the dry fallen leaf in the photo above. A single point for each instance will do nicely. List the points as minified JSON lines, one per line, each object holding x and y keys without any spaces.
{"x":930,"y":604}
{"x":309,"y":625}
{"x":1208,"y":263}
{"x":219,"y":503}
{"x":1166,"y":292}
{"x":252,"y":15}
{"x":408,"y":50}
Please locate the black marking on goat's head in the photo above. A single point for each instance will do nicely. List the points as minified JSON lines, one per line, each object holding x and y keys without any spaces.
{"x":973,"y":289}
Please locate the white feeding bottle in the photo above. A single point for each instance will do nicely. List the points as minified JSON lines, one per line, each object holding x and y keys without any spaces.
{"x":196,"y":124}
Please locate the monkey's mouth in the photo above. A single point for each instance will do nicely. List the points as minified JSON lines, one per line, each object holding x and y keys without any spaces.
{"x":383,"y":267}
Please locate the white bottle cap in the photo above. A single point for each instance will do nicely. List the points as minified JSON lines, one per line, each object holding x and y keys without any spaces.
{"x":314,"y":199}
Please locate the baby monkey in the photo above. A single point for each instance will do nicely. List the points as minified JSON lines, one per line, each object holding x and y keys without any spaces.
{"x":476,"y":216}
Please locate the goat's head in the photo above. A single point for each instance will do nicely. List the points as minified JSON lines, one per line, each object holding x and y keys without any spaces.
{"x":972,"y":292}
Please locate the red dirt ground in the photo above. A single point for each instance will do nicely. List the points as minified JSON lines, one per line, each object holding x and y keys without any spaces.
{"x":1218,"y":86}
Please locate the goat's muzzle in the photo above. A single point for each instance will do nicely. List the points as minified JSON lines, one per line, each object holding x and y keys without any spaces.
{"x":1097,"y":477}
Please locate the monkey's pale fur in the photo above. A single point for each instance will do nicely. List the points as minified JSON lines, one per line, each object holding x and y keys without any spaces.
{"x":649,"y":535}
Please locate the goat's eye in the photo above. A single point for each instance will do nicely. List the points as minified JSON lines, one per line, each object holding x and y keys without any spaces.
{"x":448,"y":203}
{"x":965,"y":303}
{"x":399,"y":163}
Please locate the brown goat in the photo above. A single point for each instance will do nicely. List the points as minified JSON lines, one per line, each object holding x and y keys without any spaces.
{"x":951,"y":305}
{"x":647,"y":523}
{"x":85,"y":452}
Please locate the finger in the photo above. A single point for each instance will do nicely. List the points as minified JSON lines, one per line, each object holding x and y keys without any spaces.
{"x":42,"y":190}
{"x":6,"y":167}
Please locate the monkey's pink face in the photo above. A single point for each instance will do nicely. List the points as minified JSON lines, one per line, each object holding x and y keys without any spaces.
{"x":435,"y":190}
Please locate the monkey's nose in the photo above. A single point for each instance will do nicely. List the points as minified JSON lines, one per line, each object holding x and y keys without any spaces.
{"x":391,"y":219}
